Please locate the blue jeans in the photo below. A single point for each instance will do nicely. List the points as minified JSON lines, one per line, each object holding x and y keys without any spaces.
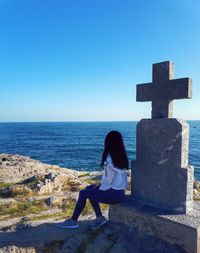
{"x":97,"y":196}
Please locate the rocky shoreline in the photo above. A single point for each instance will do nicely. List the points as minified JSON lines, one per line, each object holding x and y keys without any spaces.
{"x":30,"y":189}
{"x":35,"y":196}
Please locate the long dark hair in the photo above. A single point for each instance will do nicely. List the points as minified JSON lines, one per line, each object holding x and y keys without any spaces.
{"x":114,"y":146}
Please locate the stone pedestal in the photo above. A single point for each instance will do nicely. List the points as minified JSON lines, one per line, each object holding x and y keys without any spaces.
{"x":178,"y":229}
{"x":162,"y":180}
{"x":161,"y":176}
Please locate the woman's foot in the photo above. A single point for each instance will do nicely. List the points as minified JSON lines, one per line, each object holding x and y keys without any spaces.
{"x":100,"y":221}
{"x":69,"y":223}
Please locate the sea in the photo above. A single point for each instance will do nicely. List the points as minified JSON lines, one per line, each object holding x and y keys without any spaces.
{"x":78,"y":145}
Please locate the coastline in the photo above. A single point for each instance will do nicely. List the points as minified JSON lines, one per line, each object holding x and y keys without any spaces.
{"x":77,"y":145}
{"x":35,"y":196}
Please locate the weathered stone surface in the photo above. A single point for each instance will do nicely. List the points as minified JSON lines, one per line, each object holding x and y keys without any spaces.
{"x":58,"y":184}
{"x":196,"y":184}
{"x":51,"y":201}
{"x":182,"y":230}
{"x":111,"y":238}
{"x":161,"y":175}
{"x":15,"y":249}
{"x":162,"y":144}
{"x":28,"y":176}
{"x":162,"y":180}
{"x":50,"y":176}
{"x":23,"y":169}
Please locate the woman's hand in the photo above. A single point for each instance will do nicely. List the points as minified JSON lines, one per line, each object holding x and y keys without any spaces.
{"x":92,"y":186}
{"x":97,"y":186}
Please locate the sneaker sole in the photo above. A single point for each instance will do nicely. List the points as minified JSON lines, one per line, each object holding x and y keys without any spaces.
{"x":61,"y":226}
{"x":94,"y":228}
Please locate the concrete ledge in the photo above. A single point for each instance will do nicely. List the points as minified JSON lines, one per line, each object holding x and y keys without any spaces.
{"x":180,"y":229}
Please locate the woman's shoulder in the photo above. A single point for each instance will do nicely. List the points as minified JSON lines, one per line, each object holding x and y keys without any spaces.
{"x":109,"y":161}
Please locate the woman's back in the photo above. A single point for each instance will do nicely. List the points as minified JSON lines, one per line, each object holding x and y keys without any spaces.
{"x":113,"y":177}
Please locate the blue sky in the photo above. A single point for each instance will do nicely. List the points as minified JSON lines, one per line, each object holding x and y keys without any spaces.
{"x":80,"y":60}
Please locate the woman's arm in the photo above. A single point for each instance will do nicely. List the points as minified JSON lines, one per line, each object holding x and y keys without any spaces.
{"x":109,"y":173}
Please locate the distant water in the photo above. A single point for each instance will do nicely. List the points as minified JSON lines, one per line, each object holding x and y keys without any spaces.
{"x":77,"y":145}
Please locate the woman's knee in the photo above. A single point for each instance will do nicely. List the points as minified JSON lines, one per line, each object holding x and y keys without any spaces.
{"x":83,"y":193}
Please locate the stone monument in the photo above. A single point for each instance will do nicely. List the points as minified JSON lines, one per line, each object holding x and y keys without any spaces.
{"x":161,"y":174}
{"x":161,"y":201}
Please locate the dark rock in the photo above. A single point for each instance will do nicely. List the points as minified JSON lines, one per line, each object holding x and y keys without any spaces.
{"x":30,"y":180}
{"x":5,"y":192}
{"x":51,"y":175}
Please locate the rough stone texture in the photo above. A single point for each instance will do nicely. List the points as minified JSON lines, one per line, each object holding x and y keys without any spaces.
{"x":182,"y":229}
{"x":23,"y":234}
{"x":162,"y":145}
{"x":162,"y":180}
{"x":164,"y":89}
{"x":161,"y":175}
{"x":59,"y":183}
{"x":20,"y":169}
{"x":163,"y":141}
{"x":29,"y":175}
{"x":111,"y":238}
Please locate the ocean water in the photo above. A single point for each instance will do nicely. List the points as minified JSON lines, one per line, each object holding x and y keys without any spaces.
{"x":77,"y":145}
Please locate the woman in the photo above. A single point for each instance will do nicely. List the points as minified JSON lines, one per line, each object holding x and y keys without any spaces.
{"x":113,"y":183}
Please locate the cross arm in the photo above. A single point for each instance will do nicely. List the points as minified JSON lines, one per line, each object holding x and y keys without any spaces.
{"x":144,"y":92}
{"x":181,"y":88}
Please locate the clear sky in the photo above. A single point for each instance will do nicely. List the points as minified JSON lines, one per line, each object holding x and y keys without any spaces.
{"x":80,"y":60}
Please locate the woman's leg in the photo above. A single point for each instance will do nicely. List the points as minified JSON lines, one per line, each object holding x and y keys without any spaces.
{"x":96,"y":208}
{"x":96,"y":196}
{"x":82,"y":201}
{"x":95,"y":204}
{"x":110,"y":196}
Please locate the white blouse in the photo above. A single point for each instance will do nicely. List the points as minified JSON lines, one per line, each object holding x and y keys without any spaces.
{"x":113,"y":177}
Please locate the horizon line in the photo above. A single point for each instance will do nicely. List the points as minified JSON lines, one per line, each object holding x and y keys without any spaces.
{"x":85,"y":121}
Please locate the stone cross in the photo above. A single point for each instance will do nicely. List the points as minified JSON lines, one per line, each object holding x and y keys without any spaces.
{"x":161,"y":178}
{"x":163,"y":90}
{"x":161,"y":174}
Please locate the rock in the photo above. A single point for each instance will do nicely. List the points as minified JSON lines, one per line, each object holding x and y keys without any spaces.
{"x":24,"y":235}
{"x":196,"y":184}
{"x":51,"y":175}
{"x":196,"y":194}
{"x":23,"y":169}
{"x":118,"y":247}
{"x":38,"y":185}
{"x":40,"y":182}
{"x":53,"y":201}
{"x":22,"y":225}
{"x":30,"y":179}
{"x":15,"y":190}
{"x":5,"y":192}
{"x":47,"y":181}
{"x":5,"y":200}
{"x":59,"y":184}
{"x":49,"y":201}
{"x":15,"y":249}
{"x":152,"y":176}
{"x":75,"y":185}
{"x":112,"y":238}
{"x":24,"y":219}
